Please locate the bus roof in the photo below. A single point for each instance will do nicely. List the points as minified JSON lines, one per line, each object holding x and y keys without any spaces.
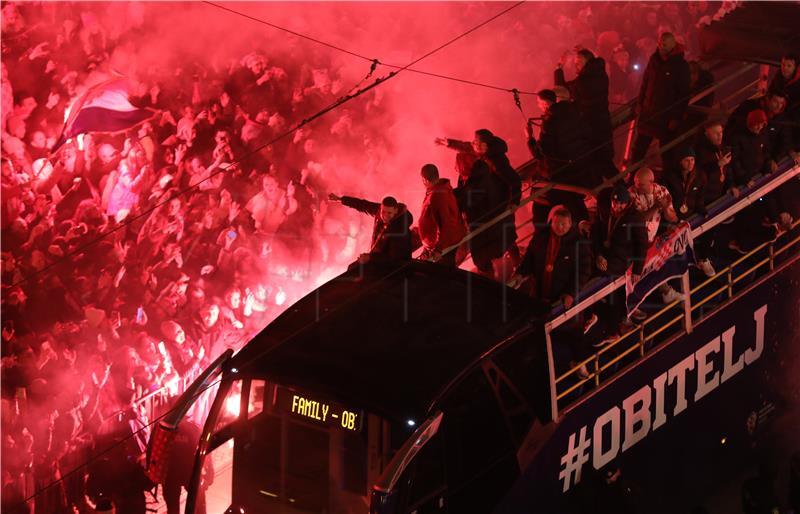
{"x":359,"y":336}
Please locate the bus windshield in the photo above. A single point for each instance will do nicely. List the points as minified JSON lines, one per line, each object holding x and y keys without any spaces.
{"x":278,"y":448}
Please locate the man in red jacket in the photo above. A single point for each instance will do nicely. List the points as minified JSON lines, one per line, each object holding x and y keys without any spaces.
{"x":440,"y":224}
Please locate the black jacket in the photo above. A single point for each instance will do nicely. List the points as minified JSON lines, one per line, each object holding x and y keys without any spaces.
{"x":664,"y":93}
{"x":564,"y":146}
{"x":389,"y":242}
{"x":479,"y":197}
{"x":572,"y":267}
{"x":749,"y":156}
{"x":589,"y":91}
{"x":689,"y":192}
{"x":706,"y":160}
{"x":627,"y":242}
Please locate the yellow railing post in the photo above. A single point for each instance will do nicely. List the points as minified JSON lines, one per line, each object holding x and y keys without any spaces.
{"x":597,"y":370}
{"x":730,"y":282}
{"x":686,"y":289}
{"x":772,"y":256}
{"x":641,"y":340}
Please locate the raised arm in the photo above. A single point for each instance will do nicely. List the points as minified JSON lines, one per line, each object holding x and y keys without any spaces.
{"x":365,"y":206}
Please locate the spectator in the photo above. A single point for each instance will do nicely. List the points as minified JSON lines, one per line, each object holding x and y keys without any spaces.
{"x":440,"y":224}
{"x":663,"y":96}
{"x":713,"y":159}
{"x":492,"y":188}
{"x":558,"y":261}
{"x":622,"y":77}
{"x":619,"y":241}
{"x":750,"y":152}
{"x":589,"y":92}
{"x":687,"y":184}
{"x":391,"y":232}
{"x":562,"y":152}
{"x":654,"y":202}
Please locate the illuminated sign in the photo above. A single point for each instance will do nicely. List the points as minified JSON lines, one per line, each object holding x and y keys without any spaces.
{"x":317,"y":410}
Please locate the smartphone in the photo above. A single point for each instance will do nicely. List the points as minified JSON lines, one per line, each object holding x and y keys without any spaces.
{"x":139,"y":314}
{"x":231,"y":234}
{"x":116,"y":319}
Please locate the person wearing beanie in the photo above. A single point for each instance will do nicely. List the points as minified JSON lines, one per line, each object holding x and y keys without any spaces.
{"x":619,"y":241}
{"x":750,"y":152}
{"x":687,"y":185}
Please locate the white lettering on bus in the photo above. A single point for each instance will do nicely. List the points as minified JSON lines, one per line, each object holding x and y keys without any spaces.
{"x":638,"y":420}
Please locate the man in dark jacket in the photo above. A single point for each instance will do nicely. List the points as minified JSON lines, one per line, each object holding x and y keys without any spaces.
{"x":788,"y":81}
{"x":619,"y":241}
{"x":440,"y":224}
{"x":589,"y":91}
{"x":619,"y":236}
{"x":563,"y":143}
{"x":686,"y":184}
{"x":713,"y":159}
{"x":663,"y":96}
{"x":491,"y":187}
{"x":559,"y":261}
{"x":750,"y":151}
{"x":564,"y":149}
{"x":391,"y":232}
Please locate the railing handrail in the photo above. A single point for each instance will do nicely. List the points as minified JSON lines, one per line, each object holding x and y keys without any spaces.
{"x":727,"y":272}
{"x":740,"y":204}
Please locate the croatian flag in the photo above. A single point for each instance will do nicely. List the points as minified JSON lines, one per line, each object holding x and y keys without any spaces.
{"x":103,"y":107}
{"x":668,"y":257}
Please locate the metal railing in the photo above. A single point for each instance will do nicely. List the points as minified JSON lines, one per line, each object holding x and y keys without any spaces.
{"x":601,"y":365}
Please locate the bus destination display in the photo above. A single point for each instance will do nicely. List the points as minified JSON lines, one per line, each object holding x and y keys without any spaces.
{"x":316,"y":410}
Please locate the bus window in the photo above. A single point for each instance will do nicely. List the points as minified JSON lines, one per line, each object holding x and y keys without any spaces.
{"x":304,"y":454}
{"x":256,"y":400}
{"x":524,"y":363}
{"x":230,"y":407}
{"x":480,"y":456}
{"x":421,"y":488}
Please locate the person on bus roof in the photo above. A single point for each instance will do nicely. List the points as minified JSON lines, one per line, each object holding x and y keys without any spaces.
{"x":440,"y":223}
{"x":391,"y":232}
{"x":559,"y":261}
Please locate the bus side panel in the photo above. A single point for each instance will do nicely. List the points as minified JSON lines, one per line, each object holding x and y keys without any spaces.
{"x":680,"y":446}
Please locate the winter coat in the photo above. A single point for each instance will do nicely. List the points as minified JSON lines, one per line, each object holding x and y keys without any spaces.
{"x":749,"y":156}
{"x":390,"y":241}
{"x":440,"y":224}
{"x":664,"y":93}
{"x":589,"y":91}
{"x":626,"y":244}
{"x":564,"y":146}
{"x":478,"y":197}
{"x":689,"y":192}
{"x":706,"y":160}
{"x":572,"y":266}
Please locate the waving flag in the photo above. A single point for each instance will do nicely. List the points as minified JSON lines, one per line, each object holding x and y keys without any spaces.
{"x":103,"y":107}
{"x":668,"y":257}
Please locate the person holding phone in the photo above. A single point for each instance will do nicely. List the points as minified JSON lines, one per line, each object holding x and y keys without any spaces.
{"x":713,"y":159}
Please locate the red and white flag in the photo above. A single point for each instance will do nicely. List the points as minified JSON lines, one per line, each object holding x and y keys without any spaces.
{"x":103,"y":107}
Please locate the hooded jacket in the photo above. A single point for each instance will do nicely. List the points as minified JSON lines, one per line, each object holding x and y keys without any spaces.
{"x":589,"y":91}
{"x":564,"y":146}
{"x":390,"y":241}
{"x":664,"y":93}
{"x":440,"y":224}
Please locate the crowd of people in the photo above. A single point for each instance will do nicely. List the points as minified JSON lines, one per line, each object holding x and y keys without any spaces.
{"x":132,"y":260}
